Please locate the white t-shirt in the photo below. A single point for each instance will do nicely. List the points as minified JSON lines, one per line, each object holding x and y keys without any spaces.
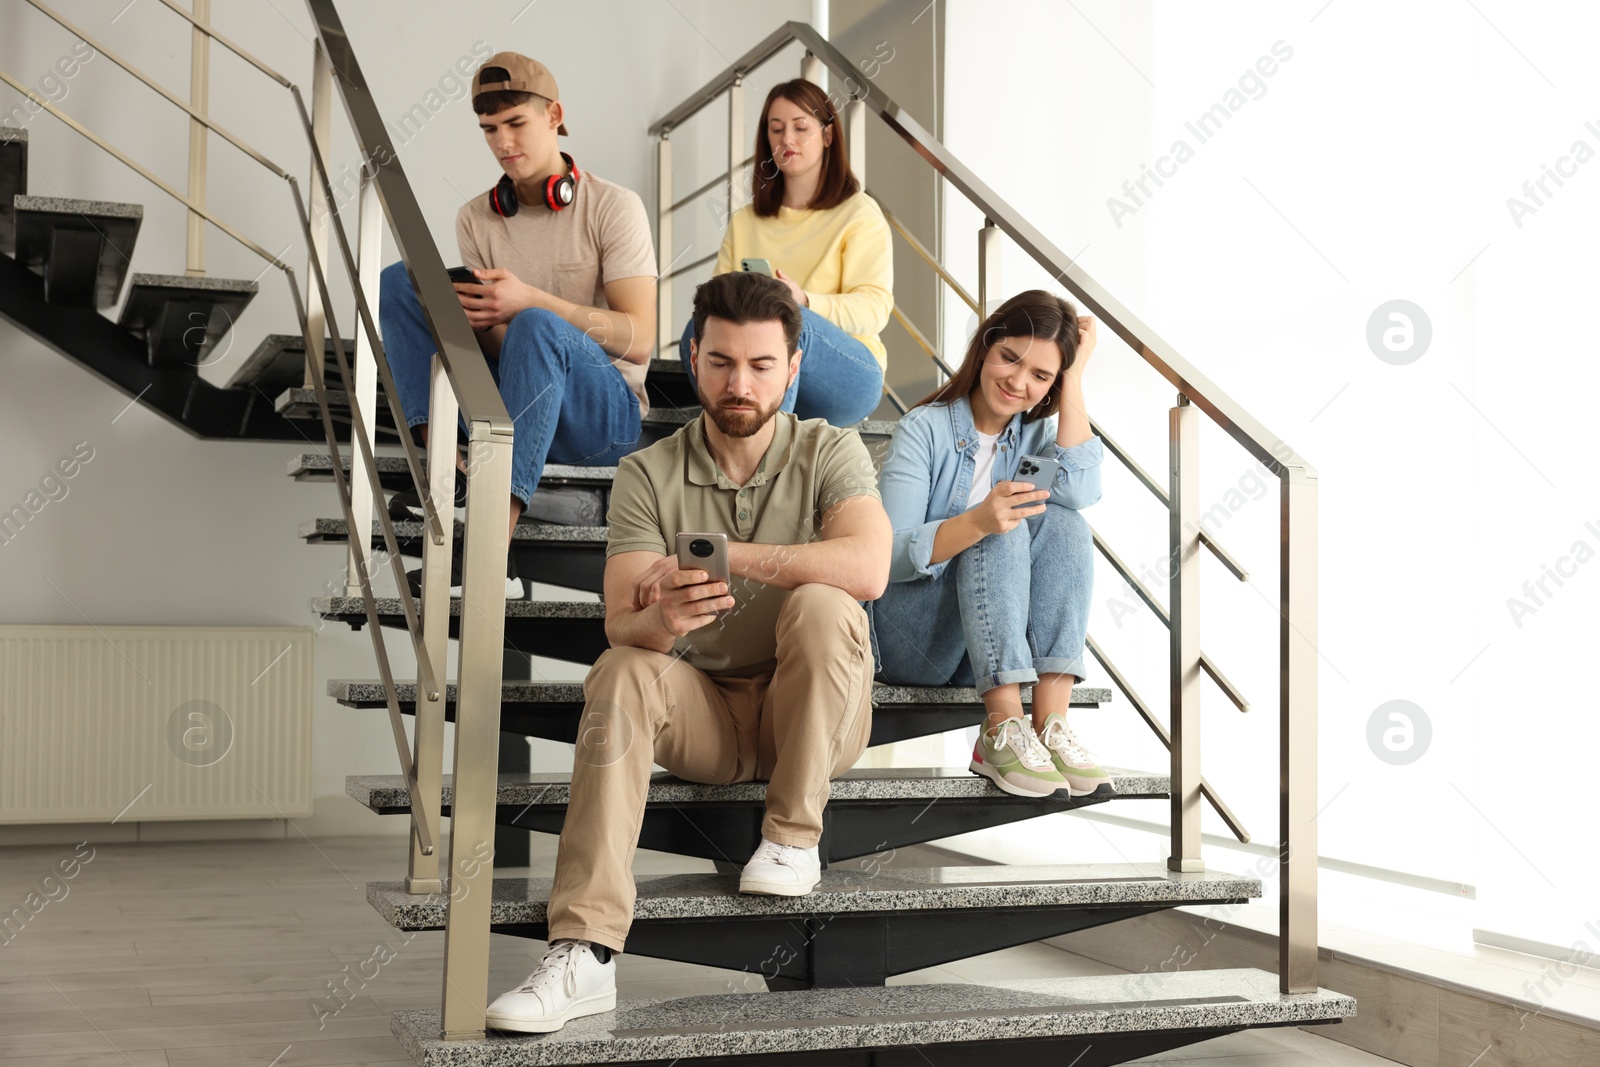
{"x":983,"y":474}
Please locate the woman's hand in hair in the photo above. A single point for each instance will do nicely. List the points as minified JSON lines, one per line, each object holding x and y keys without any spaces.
{"x":1088,"y":334}
{"x":998,"y":513}
{"x":798,"y":293}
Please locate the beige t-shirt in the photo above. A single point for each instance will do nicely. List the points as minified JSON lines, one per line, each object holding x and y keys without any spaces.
{"x":675,"y":486}
{"x":601,"y":237}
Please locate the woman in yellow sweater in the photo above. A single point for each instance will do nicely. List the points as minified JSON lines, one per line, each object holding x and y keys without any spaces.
{"x":828,"y":242}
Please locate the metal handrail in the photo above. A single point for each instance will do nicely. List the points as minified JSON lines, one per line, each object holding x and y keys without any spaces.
{"x":1161,"y":613}
{"x":1139,"y":705}
{"x":1273,"y":452}
{"x":490,"y":432}
{"x":171,"y":99}
{"x":1297,"y":591}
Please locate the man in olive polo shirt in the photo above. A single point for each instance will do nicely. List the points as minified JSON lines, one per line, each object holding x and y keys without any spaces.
{"x":778,"y":688}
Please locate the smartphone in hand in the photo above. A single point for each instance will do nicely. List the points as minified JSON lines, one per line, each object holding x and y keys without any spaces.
{"x":759,"y":266}
{"x":463,"y":275}
{"x":706,"y":552}
{"x":1038,"y":472}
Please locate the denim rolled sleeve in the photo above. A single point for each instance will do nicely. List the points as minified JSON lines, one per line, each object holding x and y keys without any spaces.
{"x":1077,"y":483}
{"x":906,"y":483}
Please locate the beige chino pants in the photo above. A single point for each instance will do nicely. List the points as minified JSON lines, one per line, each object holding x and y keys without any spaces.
{"x":796,"y":728}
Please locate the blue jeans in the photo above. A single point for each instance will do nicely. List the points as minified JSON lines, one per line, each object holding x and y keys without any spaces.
{"x":567,"y":403}
{"x":1010,"y":608}
{"x":839,"y":378}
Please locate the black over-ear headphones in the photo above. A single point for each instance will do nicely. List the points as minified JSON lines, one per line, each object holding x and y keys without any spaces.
{"x":560,"y":190}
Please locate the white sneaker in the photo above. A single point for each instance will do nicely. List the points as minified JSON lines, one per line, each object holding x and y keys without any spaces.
{"x":568,"y":984}
{"x":781,"y":870}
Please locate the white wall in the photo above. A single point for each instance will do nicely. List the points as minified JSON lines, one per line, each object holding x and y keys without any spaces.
{"x":1373,"y":164}
{"x":163,"y":529}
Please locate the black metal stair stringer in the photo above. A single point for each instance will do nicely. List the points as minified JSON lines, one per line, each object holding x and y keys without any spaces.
{"x":121,"y":360}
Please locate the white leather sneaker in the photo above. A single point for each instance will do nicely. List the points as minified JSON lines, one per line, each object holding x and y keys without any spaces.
{"x":568,"y":984}
{"x":781,"y":870}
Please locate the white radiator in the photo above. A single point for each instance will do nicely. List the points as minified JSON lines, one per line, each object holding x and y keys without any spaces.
{"x":140,"y":723}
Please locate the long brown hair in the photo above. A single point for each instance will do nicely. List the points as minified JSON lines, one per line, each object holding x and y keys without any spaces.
{"x":838,"y":184}
{"x":1035,"y":313}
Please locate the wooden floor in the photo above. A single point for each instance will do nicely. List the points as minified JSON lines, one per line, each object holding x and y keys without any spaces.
{"x":222,"y":954}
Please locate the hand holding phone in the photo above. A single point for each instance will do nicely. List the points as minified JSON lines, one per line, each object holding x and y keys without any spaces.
{"x":1038,"y":472}
{"x":462,"y":276}
{"x":759,"y":266}
{"x":700,"y":553}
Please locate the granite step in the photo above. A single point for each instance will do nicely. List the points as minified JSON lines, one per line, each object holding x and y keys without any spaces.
{"x":13,"y":181}
{"x":1079,"y":1021}
{"x":301,"y":403}
{"x":183,"y":318}
{"x":82,"y":248}
{"x":869,"y":809}
{"x":573,"y":557}
{"x":279,"y":363}
{"x":551,"y":710}
{"x":861,"y":926}
{"x":393,"y":474}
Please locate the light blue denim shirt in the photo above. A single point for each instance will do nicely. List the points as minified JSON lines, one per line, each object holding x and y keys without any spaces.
{"x":927,"y":475}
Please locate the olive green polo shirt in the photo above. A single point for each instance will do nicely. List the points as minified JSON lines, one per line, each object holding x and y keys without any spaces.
{"x":675,"y":486}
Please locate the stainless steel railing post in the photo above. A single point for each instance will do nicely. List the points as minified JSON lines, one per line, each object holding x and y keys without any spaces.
{"x":1183,"y":564}
{"x":369,"y":250}
{"x":855,"y":130}
{"x":199,"y":99}
{"x":990,"y":247}
{"x":483,"y":612}
{"x":422,"y":872}
{"x":321,"y":128}
{"x":1297,"y":711}
{"x":665,"y":332}
{"x":736,"y":140}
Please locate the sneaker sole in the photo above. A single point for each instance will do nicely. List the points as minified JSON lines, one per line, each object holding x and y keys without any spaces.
{"x":595,"y":1005}
{"x":777,"y":889}
{"x":1105,"y":790}
{"x":1007,"y":787}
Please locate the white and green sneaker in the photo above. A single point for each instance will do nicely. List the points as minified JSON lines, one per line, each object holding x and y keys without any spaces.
{"x":1014,"y":760}
{"x":1081,"y":775}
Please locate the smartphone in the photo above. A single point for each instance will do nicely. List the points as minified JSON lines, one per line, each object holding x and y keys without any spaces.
{"x":1038,"y":472}
{"x":760,"y":266}
{"x":706,"y":552}
{"x":463,"y":274}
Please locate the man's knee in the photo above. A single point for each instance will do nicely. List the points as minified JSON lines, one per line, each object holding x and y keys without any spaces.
{"x":394,"y":283}
{"x":616,"y":710}
{"x":621,"y":671}
{"x":538,"y":326}
{"x":816,"y":617}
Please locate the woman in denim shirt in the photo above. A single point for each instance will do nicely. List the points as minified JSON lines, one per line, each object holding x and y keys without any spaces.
{"x":990,"y":580}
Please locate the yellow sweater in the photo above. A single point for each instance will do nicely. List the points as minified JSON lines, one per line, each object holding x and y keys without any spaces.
{"x":841,"y":257}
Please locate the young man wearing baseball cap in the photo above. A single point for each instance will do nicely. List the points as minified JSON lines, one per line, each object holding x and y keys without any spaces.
{"x":565,"y":297}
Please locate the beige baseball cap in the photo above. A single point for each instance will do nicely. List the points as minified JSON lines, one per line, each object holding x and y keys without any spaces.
{"x":517,"y":73}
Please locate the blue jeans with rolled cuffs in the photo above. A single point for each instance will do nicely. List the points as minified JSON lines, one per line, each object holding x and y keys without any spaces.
{"x":567,"y":403}
{"x":839,"y":380}
{"x":1008,"y":609}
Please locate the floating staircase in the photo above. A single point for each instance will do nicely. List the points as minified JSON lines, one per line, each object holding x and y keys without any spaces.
{"x":844,"y":941}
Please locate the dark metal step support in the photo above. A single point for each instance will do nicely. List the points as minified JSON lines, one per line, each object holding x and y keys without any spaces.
{"x":513,"y":845}
{"x":69,"y":272}
{"x":831,"y":951}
